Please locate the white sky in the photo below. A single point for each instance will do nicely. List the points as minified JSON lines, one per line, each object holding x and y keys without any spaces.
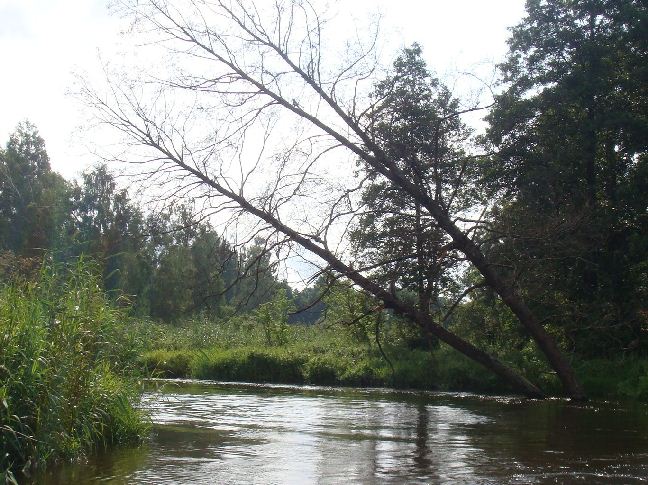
{"x":42,"y":42}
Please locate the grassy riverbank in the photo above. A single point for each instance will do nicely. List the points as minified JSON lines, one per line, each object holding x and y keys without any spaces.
{"x":237,"y":350}
{"x":66,"y":366}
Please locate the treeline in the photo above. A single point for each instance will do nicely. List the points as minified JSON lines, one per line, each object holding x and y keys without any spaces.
{"x":166,"y":265}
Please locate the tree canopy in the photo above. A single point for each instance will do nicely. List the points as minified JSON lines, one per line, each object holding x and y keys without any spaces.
{"x":570,"y":133}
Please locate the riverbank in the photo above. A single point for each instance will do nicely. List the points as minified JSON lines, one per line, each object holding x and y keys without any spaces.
{"x":332,"y":356}
{"x":238,"y":350}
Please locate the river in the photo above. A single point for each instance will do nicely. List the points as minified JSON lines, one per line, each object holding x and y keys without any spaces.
{"x":218,"y":433}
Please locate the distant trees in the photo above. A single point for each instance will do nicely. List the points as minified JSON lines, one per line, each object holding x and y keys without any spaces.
{"x":108,"y":226}
{"x":32,"y":197}
{"x":168,"y":264}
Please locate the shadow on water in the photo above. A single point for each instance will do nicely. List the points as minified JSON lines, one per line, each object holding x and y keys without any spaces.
{"x":233,"y":433}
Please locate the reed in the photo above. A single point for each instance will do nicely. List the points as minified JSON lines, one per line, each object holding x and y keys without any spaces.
{"x":67,"y":366}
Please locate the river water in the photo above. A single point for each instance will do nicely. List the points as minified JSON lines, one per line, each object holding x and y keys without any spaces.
{"x":218,"y":433}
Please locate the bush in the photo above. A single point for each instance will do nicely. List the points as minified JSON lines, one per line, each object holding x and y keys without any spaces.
{"x":418,"y":370}
{"x":457,"y":373}
{"x":323,"y":370}
{"x":622,"y":378}
{"x":360,"y":373}
{"x":168,"y":363}
{"x":250,"y":365}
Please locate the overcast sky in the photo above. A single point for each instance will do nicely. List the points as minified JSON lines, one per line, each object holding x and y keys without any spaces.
{"x":43,"y":42}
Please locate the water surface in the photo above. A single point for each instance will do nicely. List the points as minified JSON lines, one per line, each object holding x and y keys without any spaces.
{"x":208,"y":433}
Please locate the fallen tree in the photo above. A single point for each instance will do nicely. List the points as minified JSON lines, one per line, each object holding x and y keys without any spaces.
{"x":244,"y":71}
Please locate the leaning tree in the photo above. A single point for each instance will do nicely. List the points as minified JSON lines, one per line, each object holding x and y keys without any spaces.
{"x":259,"y":111}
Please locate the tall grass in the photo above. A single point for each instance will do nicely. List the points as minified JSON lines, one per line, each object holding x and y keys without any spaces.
{"x":65,"y":360}
{"x":325,"y":354}
{"x":322,"y":354}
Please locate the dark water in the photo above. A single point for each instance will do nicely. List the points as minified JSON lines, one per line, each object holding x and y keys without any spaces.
{"x":224,"y":433}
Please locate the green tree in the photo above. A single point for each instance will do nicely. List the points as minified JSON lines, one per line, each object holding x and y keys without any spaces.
{"x":415,"y":122}
{"x":571,"y":169}
{"x":256,"y":281}
{"x":172,"y":286}
{"x":309,"y":302}
{"x":273,"y":317}
{"x":352,"y":310}
{"x":33,"y":198}
{"x":109,"y":227}
{"x":209,"y":286}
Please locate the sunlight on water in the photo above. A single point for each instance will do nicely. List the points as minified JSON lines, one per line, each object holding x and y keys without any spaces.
{"x":226,"y":433}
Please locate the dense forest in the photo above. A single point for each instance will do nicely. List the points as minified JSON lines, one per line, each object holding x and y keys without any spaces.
{"x":524,"y":247}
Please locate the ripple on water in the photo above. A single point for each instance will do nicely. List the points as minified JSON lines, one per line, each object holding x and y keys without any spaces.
{"x":285,"y":434}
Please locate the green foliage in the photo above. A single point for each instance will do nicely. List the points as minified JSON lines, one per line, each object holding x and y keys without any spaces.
{"x":209,"y":276}
{"x":353,"y":311}
{"x":168,"y":363}
{"x":171,"y":293}
{"x":169,"y":265}
{"x":110,"y":228}
{"x":570,"y":170}
{"x":362,"y":372}
{"x":309,"y":305}
{"x":414,"y":121}
{"x":236,"y":350}
{"x":249,"y":364}
{"x":32,"y":198}
{"x":64,"y":370}
{"x":314,"y":354}
{"x":620,"y":378}
{"x":323,"y":369}
{"x":273,"y":317}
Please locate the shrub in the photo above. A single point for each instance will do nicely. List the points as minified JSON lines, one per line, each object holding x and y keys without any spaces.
{"x":251,"y":365}
{"x":168,"y":363}
{"x":322,"y":370}
{"x":360,"y":373}
{"x":622,"y":378}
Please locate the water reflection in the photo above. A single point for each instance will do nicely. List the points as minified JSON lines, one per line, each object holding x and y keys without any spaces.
{"x":272,"y":434}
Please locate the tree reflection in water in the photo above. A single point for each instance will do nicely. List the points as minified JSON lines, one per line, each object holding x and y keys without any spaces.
{"x":208,"y":433}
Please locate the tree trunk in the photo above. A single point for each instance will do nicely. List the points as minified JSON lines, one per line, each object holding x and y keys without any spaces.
{"x":508,"y":295}
{"x":516,"y":380}
{"x":517,"y":305}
